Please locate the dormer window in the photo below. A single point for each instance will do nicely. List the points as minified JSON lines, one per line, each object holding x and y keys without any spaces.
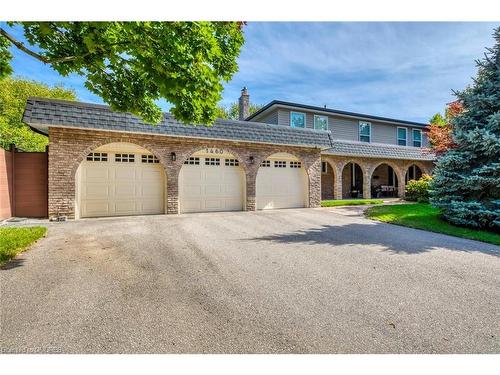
{"x":297,"y":120}
{"x":365,"y":131}
{"x":320,"y":122}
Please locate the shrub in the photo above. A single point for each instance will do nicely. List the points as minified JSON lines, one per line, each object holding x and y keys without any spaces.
{"x":418,"y":190}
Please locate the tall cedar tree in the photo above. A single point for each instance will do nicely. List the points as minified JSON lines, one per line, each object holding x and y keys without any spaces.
{"x":466,"y":185}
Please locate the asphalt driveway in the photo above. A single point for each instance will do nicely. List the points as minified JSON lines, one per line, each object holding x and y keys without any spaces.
{"x":289,"y":281}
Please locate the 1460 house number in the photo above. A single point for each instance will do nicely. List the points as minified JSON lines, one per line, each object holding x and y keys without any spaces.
{"x":217,"y":151}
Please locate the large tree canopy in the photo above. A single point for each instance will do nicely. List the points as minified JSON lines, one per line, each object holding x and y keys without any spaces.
{"x":130,"y":65}
{"x":466,"y":184}
{"x":13,"y":95}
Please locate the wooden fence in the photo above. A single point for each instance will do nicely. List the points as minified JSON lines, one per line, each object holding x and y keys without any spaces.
{"x":23,"y":184}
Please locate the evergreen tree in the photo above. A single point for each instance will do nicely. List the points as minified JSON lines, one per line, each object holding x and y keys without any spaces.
{"x":466,"y":182}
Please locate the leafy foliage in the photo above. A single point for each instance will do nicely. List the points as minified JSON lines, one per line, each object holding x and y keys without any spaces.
{"x":232,"y":112}
{"x":439,"y":131}
{"x":130,"y":65}
{"x":418,"y":190}
{"x":5,"y":57}
{"x":13,"y":95}
{"x":466,"y":183}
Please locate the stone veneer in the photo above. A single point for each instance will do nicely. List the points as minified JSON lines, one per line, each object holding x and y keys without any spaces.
{"x":68,"y":148}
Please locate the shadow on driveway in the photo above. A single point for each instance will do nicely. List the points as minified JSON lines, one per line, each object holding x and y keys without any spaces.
{"x":392,"y":238}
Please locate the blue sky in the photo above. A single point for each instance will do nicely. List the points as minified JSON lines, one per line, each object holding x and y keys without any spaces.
{"x":399,"y":70}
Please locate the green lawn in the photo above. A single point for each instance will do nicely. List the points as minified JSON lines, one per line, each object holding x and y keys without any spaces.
{"x":15,"y":240}
{"x":349,"y":202}
{"x":424,"y":216}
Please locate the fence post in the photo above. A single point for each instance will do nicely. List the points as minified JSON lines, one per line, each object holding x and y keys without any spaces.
{"x":13,"y":187}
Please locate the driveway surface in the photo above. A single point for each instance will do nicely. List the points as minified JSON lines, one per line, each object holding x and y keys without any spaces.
{"x":288,"y":281}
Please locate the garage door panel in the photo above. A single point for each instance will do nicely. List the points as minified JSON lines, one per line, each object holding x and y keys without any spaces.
{"x":97,"y":191}
{"x":126,"y":172}
{"x":97,"y":174}
{"x":192,"y":191}
{"x":232,"y":205}
{"x":152,"y":190}
{"x":124,"y":191}
{"x":213,"y":191}
{"x":125,"y":207}
{"x":211,"y":187}
{"x":96,"y":208}
{"x":192,"y":173}
{"x":281,"y":187}
{"x":191,"y":205}
{"x":214,"y":204}
{"x":149,"y":174}
{"x":109,"y":188}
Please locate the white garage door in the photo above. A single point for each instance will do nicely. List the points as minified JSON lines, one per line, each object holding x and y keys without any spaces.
{"x":114,"y":184}
{"x":281,"y":183}
{"x":211,"y":180}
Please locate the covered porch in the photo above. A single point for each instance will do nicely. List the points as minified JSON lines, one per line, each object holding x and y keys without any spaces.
{"x":362,"y":172}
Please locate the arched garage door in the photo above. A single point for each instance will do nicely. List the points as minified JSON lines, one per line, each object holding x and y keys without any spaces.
{"x":281,"y":183}
{"x":211,"y":180}
{"x":120,"y":179}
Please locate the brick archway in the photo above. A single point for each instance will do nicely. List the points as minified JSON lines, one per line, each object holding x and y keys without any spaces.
{"x":82,"y":154}
{"x":397,"y":170}
{"x":364,"y":172}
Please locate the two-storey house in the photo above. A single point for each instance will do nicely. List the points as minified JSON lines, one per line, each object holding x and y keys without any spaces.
{"x":106,"y":163}
{"x":370,"y":156}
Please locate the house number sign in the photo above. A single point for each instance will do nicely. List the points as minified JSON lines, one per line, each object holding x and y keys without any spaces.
{"x":217,"y":151}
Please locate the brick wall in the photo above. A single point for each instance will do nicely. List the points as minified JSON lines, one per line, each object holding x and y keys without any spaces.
{"x":68,"y":148}
{"x":327,"y":183}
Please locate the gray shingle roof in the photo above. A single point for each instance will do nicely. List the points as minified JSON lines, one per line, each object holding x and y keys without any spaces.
{"x":41,"y":113}
{"x":378,"y":150}
{"x":334,"y":112}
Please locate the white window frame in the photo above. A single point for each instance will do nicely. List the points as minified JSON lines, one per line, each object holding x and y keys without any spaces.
{"x":363,"y":135}
{"x":324,"y":167}
{"x":298,"y":113}
{"x":400,"y":139}
{"x":314,"y":121}
{"x":413,"y":138}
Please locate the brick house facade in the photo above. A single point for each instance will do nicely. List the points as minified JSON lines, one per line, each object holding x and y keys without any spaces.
{"x":75,"y":130}
{"x":68,"y":148}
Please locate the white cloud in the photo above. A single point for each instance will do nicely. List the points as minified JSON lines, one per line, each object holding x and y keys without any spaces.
{"x":403,"y":70}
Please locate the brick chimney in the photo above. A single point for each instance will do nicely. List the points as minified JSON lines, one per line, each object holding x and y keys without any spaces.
{"x":244,"y":104}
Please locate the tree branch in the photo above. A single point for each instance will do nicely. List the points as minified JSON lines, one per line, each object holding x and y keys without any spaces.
{"x":37,"y":56}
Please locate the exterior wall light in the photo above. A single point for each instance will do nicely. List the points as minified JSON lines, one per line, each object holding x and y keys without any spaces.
{"x":173,"y":157}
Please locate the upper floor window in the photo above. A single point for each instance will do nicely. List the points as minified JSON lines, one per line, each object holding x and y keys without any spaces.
{"x":297,"y":120}
{"x":417,"y":137}
{"x":365,"y":131}
{"x":402,"y":136}
{"x":320,"y":122}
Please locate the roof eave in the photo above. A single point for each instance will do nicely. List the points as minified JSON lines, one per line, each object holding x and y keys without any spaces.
{"x":34,"y":128}
{"x":360,"y":116}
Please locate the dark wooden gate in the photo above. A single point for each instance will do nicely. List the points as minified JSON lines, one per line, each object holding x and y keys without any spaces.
{"x":23,"y":184}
